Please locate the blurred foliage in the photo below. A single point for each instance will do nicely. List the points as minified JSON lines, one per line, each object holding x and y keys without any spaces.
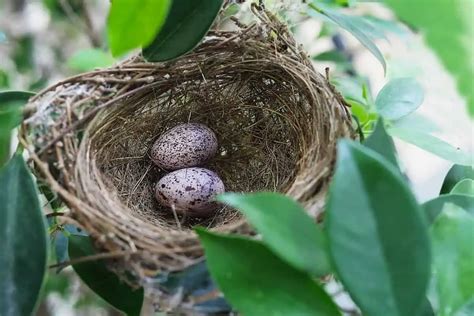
{"x":448,"y":28}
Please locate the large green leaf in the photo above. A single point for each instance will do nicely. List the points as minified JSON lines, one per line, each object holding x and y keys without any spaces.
{"x":432,"y":144}
{"x":90,"y":59}
{"x":378,"y":237}
{"x":434,"y":207}
{"x":277,"y":218}
{"x":133,"y":24}
{"x":257,"y":282}
{"x":382,"y":143}
{"x":102,"y":281}
{"x":448,"y":27}
{"x":456,"y":174}
{"x":398,"y":98}
{"x":357,"y":26}
{"x":23,"y":240}
{"x":186,"y":25}
{"x":465,"y":186}
{"x":11,"y":103}
{"x":452,"y":235}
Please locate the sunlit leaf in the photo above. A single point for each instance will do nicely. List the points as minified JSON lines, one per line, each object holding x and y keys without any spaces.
{"x":90,"y":59}
{"x":133,"y":24}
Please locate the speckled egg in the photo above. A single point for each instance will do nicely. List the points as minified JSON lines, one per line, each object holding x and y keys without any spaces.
{"x":191,"y":191}
{"x":183,"y":146}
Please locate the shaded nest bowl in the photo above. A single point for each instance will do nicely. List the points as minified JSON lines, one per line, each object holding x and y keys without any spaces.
{"x":276,"y":119}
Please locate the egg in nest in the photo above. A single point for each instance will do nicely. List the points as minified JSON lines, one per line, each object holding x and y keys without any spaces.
{"x":190,"y":190}
{"x":183,"y":146}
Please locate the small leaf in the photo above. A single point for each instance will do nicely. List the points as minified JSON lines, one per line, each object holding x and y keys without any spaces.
{"x":186,"y":25}
{"x":102,"y":281}
{"x":257,"y":282}
{"x":434,"y":207}
{"x":355,"y":25}
{"x":360,"y":111}
{"x":456,"y":174}
{"x":23,"y":239}
{"x":11,"y":103}
{"x":378,"y":237}
{"x":379,"y":141}
{"x":90,"y":59}
{"x":432,"y":144}
{"x":133,"y":24}
{"x":277,"y":218}
{"x":465,"y":186}
{"x":398,"y":98}
{"x":453,"y":266}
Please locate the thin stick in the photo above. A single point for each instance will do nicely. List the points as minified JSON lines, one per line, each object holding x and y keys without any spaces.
{"x":55,"y":214}
{"x":100,"y":256}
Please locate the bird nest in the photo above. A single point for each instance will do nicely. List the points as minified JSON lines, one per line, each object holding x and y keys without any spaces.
{"x":276,"y":119}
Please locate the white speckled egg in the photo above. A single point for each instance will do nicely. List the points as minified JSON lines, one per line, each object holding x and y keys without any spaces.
{"x":191,"y":191}
{"x":183,"y":146}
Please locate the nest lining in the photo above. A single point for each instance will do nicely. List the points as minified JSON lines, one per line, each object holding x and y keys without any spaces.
{"x":276,"y":119}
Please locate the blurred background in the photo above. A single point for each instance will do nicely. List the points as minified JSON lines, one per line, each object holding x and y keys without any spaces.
{"x":45,"y":41}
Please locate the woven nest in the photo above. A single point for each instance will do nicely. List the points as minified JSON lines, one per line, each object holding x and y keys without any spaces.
{"x":277,"y":121}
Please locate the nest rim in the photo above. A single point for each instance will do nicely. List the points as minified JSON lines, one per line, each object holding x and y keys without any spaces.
{"x":176,"y":249}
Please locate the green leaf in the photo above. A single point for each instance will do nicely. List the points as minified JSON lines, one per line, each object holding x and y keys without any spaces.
{"x":360,"y":111}
{"x":379,"y":141}
{"x":434,"y":207}
{"x":398,"y":98}
{"x":357,"y":26}
{"x":186,"y":25}
{"x":439,"y":21}
{"x":11,"y":103}
{"x":257,"y":282}
{"x":452,"y":236}
{"x":432,"y":144}
{"x":277,"y":218}
{"x":387,"y":26}
{"x":90,"y":59}
{"x":352,"y":89}
{"x":102,"y":281}
{"x":378,"y":237}
{"x":465,"y":186}
{"x":132,"y":24}
{"x":456,"y":174}
{"x":23,"y":253}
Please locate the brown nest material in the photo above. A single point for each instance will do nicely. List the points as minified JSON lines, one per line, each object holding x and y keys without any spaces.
{"x":277,"y":121}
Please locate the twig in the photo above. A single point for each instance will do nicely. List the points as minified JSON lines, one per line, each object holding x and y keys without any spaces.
{"x":55,"y":214}
{"x":100,"y":256}
{"x":76,"y":19}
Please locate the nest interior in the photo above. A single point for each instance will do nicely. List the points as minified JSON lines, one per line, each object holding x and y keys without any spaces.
{"x":277,"y":121}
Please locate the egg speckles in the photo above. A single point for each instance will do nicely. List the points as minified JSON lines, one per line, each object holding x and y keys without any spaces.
{"x":191,"y":191}
{"x":185,"y":145}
